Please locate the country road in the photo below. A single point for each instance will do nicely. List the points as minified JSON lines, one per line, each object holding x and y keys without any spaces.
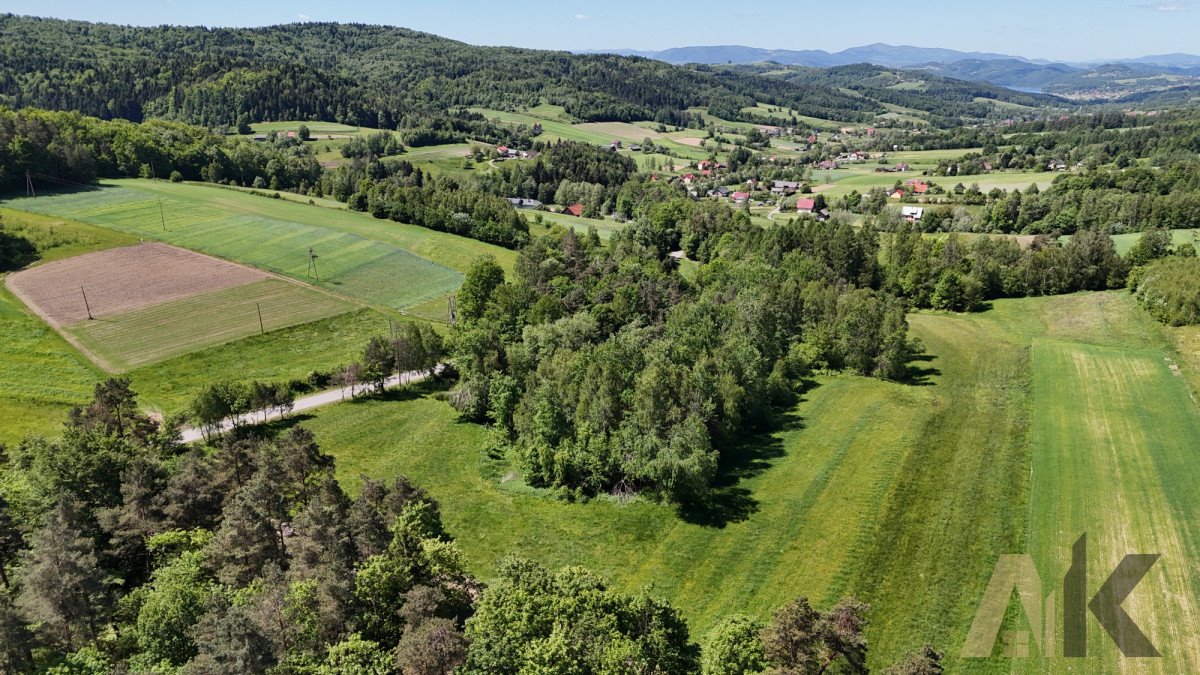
{"x":191,"y":434}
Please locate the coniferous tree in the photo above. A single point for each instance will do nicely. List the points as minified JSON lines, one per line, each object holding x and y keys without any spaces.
{"x":62,"y":585}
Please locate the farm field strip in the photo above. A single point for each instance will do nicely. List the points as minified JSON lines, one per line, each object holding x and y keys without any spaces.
{"x":1114,"y":457}
{"x":172,"y":328}
{"x":347,"y":262}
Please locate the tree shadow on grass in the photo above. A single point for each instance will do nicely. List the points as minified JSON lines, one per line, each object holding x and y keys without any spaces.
{"x":728,"y":501}
{"x":276,"y":428}
{"x":919,"y":373}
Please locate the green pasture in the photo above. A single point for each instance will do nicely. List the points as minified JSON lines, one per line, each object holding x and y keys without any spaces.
{"x":41,"y":376}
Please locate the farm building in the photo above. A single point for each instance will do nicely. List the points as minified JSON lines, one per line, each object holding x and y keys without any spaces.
{"x":574,"y":210}
{"x":828,"y":165}
{"x":783,"y":187}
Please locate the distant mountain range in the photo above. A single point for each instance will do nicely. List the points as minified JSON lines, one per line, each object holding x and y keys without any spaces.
{"x":891,"y":56}
{"x":1135,"y":79}
{"x":878,"y":54}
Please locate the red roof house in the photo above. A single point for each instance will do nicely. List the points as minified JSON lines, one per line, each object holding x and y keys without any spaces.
{"x":739,"y":197}
{"x":574,"y":210}
{"x":806,"y":205}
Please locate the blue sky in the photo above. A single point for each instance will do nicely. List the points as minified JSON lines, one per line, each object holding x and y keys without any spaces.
{"x":1055,"y":29}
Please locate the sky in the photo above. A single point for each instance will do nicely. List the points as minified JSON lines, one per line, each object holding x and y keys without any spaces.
{"x":1065,"y":30}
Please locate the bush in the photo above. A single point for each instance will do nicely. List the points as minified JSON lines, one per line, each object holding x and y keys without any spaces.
{"x":1167,"y":288}
{"x":176,"y":177}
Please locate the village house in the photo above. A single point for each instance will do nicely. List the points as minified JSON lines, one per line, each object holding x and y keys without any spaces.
{"x":806,"y":206}
{"x":740,"y":197}
{"x":912,"y":214}
{"x":573,"y":210}
{"x":828,"y":165}
{"x":898,"y":193}
{"x":919,"y":187}
{"x":688,"y":179}
{"x":783,"y":187}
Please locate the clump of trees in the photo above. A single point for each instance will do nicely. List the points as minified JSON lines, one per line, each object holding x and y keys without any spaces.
{"x":948,"y":273}
{"x":607,"y":371}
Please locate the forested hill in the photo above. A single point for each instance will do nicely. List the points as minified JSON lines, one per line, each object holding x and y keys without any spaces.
{"x":360,"y":74}
{"x":349,"y":73}
{"x":948,"y":101}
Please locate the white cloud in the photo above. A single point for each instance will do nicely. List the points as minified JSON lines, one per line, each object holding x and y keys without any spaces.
{"x":582,"y":17}
{"x":304,"y":17}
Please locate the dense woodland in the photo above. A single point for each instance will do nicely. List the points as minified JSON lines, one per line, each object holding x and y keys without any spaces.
{"x":356,"y":74}
{"x":122,"y":550}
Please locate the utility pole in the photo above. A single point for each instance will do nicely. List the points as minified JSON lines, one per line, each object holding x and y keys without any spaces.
{"x":85,"y":303}
{"x":312,"y":264}
{"x":451,"y":311}
{"x":29,"y":192}
{"x":261,"y":330}
{"x":161,"y":216}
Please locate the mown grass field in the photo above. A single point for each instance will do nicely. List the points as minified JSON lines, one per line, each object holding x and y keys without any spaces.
{"x":169,"y":329}
{"x":862,"y":177}
{"x":379,"y":261}
{"x":903,"y":494}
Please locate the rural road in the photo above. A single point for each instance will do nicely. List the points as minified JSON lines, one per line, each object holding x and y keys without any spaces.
{"x":191,"y":434}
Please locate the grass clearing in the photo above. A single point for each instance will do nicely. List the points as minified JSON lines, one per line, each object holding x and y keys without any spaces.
{"x":169,"y":329}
